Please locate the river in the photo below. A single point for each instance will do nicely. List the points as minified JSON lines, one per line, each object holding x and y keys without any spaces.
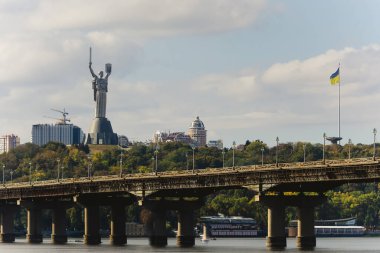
{"x":257,"y":245}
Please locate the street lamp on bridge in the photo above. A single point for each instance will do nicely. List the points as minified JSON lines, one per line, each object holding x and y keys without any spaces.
{"x":156,"y":155}
{"x":262,"y":156}
{"x":121,"y":163}
{"x":349,"y":148}
{"x":304,"y":152}
{"x":58,"y":164}
{"x":30,"y":173}
{"x":3,"y":173}
{"x":324,"y":146}
{"x":233,"y":153}
{"x":277,"y":139}
{"x":152,"y":163}
{"x":223,"y":153}
{"x":11,"y":172}
{"x":89,"y":166}
{"x":187,"y":161}
{"x":374,"y":143}
{"x":193,"y":147}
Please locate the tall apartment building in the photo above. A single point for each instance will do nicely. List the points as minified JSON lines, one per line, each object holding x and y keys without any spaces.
{"x":67,"y":134}
{"x":8,"y":142}
{"x":198,"y":133}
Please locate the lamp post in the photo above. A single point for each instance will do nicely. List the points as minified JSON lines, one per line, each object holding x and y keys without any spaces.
{"x":324,"y":146}
{"x":3,"y":173}
{"x":193,"y":147}
{"x":374,"y":143}
{"x":304,"y":152}
{"x":277,"y":139}
{"x":11,"y":172}
{"x":223,"y":154}
{"x":233,"y":153}
{"x":153,"y":163}
{"x":156,"y":153}
{"x":121,"y":163}
{"x":349,"y":148}
{"x":30,"y":173}
{"x":58,"y":164}
{"x":89,"y":167}
{"x":62,"y":167}
{"x":187,"y":161}
{"x":262,"y":156}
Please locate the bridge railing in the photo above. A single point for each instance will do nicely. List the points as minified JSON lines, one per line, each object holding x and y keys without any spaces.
{"x":265,"y":167}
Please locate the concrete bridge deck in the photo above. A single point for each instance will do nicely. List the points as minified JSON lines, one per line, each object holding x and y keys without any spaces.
{"x":315,"y":176}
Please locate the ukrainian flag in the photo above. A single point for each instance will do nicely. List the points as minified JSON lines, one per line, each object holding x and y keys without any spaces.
{"x":335,"y":78}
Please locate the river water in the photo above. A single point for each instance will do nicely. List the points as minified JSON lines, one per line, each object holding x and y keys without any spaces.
{"x":257,"y":245}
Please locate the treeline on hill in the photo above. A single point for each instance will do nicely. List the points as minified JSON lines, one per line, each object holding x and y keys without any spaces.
{"x":31,"y":162}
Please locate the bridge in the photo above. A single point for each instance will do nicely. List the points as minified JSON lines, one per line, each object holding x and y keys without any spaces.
{"x":182,"y":191}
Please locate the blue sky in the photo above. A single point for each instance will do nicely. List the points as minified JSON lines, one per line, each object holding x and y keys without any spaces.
{"x":250,"y":69}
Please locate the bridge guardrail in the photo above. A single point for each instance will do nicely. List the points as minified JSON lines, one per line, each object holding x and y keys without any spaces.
{"x":265,"y":167}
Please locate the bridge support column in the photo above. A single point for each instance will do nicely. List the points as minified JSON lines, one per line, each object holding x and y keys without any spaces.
{"x":276,"y":226}
{"x":276,"y":217}
{"x":155,"y":223}
{"x":118,"y":233}
{"x":58,"y":228}
{"x":305,"y":233}
{"x":276,"y":220}
{"x":91,"y":225}
{"x":7,"y":223}
{"x":154,"y":216}
{"x":185,"y":234}
{"x":158,"y":236}
{"x":91,"y":203}
{"x":34,"y":234}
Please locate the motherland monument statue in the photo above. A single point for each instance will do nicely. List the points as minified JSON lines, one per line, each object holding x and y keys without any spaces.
{"x":101,"y":130}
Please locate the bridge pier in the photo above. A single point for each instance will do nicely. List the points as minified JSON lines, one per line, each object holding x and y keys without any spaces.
{"x":33,"y":234}
{"x":157,"y":228}
{"x":276,"y":227}
{"x":155,"y":219}
{"x":58,"y":227}
{"x":91,"y":225}
{"x":276,"y":218}
{"x":7,"y":223}
{"x":276,"y":237}
{"x":185,"y":230}
{"x":34,"y":208}
{"x":305,"y":211}
{"x":118,"y":233}
{"x":91,"y":203}
{"x":305,"y":232}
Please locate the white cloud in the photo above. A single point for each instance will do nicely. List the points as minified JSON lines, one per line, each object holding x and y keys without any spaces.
{"x":239,"y":86}
{"x":144,"y":17}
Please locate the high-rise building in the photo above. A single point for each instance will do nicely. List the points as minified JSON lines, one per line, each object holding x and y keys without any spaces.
{"x":8,"y":142}
{"x":67,"y":134}
{"x":198,"y":133}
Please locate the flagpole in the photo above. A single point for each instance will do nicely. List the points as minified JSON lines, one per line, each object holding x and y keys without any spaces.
{"x":339,"y":103}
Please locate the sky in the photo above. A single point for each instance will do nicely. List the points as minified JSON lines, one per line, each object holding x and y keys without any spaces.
{"x":250,"y":69}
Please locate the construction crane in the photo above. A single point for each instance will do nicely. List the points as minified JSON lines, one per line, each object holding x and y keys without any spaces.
{"x":64,"y":118}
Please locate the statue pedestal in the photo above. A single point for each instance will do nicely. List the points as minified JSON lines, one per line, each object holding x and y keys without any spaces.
{"x":101,"y":133}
